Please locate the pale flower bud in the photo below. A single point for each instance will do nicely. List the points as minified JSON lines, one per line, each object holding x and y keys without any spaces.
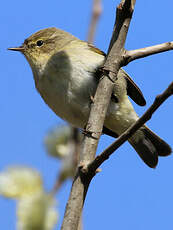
{"x":56,"y":141}
{"x":36,"y":212}
{"x":17,"y":181}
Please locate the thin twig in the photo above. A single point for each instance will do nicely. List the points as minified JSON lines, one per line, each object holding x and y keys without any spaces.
{"x":129,"y":132}
{"x":96,"y":12}
{"x":144,"y":52}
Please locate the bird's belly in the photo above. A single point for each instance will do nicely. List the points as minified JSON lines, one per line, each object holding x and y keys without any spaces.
{"x":70,"y":102}
{"x":69,"y":96}
{"x":121,"y":117}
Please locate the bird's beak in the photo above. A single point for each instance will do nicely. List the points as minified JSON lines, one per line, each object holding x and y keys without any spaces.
{"x":20,"y":48}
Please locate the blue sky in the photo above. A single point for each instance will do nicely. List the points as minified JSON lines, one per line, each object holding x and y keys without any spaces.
{"x":126,"y":194}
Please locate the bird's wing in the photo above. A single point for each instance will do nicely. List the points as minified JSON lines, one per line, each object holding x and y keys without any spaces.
{"x":133,"y":90}
{"x":95,"y":50}
{"x":109,"y":132}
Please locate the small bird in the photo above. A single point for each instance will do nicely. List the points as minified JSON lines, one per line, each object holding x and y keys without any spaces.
{"x":66,"y":74}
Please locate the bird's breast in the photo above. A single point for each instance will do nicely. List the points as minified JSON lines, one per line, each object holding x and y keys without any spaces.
{"x":69,"y":94}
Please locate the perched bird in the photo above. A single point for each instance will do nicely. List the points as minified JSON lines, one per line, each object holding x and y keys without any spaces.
{"x":65,"y":71}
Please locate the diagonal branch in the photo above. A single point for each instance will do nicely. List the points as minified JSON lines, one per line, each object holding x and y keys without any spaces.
{"x":92,"y":167}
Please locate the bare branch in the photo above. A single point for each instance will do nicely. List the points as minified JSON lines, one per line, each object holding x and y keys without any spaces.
{"x":96,"y":12}
{"x":98,"y":113}
{"x":144,"y":52}
{"x":129,"y":132}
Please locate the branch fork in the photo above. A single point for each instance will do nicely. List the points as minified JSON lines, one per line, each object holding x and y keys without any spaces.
{"x":84,"y":168}
{"x":159,"y":100}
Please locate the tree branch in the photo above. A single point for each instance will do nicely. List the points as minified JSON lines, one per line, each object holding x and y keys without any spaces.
{"x":96,"y":12}
{"x":92,"y":167}
{"x":116,"y":58}
{"x":144,"y":52}
{"x":98,"y":113}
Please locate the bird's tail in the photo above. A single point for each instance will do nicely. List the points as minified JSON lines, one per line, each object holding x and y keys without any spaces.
{"x":149,"y":146}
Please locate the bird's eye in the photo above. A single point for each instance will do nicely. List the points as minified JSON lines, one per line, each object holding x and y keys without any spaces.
{"x":39,"y":42}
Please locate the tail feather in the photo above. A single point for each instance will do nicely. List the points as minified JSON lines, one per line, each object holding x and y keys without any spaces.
{"x":163,"y":149}
{"x":149,"y":146}
{"x":146,"y":150}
